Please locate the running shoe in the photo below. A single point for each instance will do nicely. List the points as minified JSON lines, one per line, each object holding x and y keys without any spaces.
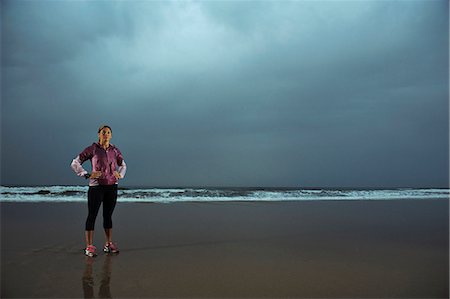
{"x":111,"y":247}
{"x":90,"y":251}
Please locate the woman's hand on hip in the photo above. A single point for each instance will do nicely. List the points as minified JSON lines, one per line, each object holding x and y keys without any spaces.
{"x":117,"y":175}
{"x":96,"y":174}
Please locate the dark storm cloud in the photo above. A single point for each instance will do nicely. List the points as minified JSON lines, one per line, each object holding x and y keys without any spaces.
{"x":229,"y":93}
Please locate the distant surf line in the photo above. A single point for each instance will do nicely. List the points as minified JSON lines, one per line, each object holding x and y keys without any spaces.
{"x":170,"y":195}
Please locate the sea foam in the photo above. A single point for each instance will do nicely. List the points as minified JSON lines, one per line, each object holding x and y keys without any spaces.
{"x":163,"y":195}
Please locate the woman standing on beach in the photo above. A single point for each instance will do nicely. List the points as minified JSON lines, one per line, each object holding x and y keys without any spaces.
{"x":108,"y":167}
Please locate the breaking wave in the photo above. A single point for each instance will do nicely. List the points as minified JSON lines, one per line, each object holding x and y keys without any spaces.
{"x":166,"y":195}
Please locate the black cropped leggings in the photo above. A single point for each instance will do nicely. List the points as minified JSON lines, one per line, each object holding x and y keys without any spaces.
{"x":96,"y":195}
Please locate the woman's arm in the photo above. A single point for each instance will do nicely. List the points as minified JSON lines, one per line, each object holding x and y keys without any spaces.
{"x":122,"y":169}
{"x":76,"y":166}
{"x":122,"y":166}
{"x":86,"y":154}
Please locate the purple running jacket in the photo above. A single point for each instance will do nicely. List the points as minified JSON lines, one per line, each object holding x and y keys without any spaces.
{"x":107,"y":161}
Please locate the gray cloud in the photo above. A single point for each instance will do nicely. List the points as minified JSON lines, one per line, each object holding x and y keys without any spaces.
{"x":229,"y":93}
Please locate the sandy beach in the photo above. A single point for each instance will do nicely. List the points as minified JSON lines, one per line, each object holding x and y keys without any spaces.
{"x":324,"y":249}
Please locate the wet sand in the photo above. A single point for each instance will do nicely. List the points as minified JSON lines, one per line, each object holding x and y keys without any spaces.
{"x":326,"y":249}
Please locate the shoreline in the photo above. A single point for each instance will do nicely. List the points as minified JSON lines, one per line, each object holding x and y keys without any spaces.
{"x":276,"y":201}
{"x":78,"y":194}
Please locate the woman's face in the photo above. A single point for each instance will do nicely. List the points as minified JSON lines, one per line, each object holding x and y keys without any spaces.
{"x":105,"y":135}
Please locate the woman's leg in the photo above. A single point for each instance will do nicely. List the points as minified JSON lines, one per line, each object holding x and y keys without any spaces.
{"x":89,"y":237}
{"x":109,"y":203}
{"x":95,"y":197}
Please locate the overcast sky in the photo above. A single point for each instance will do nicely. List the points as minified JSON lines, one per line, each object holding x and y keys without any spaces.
{"x":271,"y":93}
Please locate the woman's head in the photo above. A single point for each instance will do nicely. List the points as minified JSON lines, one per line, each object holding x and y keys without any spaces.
{"x":104,"y":134}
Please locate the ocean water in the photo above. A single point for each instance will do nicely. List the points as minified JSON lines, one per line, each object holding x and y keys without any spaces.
{"x":166,"y":195}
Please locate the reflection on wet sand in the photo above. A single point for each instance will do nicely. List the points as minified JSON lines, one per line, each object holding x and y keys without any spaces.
{"x":105,"y":278}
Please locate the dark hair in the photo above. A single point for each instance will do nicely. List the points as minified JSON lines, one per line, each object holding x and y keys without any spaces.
{"x":104,"y":126}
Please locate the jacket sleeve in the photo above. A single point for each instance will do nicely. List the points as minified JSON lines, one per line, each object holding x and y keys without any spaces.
{"x":121,"y":162}
{"x":122,"y":169}
{"x":76,"y":166}
{"x":86,"y":154}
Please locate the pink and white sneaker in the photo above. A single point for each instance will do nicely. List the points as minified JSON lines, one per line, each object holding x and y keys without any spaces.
{"x":111,"y":247}
{"x":90,"y":251}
